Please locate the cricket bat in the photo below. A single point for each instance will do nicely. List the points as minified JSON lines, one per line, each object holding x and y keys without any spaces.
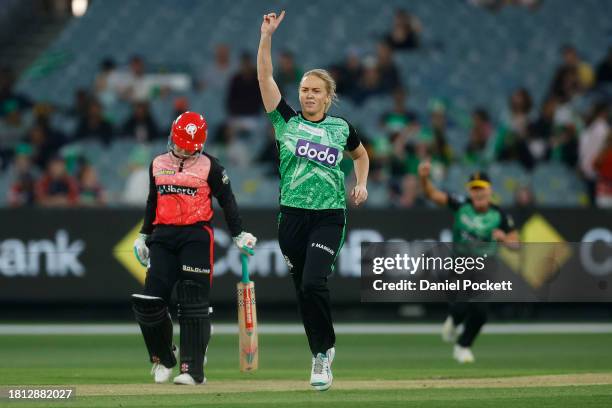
{"x":247,"y":320}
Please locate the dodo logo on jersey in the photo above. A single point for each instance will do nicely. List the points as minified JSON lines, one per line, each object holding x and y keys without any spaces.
{"x":325,"y":155}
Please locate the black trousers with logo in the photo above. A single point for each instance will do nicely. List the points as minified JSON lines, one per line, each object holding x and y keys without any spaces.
{"x":179,"y":253}
{"x":310,"y":241}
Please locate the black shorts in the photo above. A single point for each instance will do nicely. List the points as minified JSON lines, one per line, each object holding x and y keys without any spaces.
{"x":179,"y":253}
{"x":310,"y":241}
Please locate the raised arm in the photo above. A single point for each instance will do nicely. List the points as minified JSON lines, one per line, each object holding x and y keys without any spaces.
{"x":270,"y":94}
{"x":432,"y":193}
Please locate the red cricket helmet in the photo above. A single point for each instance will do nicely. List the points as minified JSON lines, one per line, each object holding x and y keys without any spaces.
{"x":189,"y":132}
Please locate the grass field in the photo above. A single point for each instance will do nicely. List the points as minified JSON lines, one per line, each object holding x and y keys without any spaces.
{"x":543,"y":370}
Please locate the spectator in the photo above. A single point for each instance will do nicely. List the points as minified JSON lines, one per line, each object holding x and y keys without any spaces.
{"x":9,"y":99}
{"x":141,"y":125}
{"x":132,"y":84}
{"x":95,"y":126}
{"x":108,"y":83}
{"x":347,"y":74}
{"x":512,"y":143}
{"x":387,"y":70}
{"x":400,"y":116}
{"x":181,"y":105}
{"x":22,"y":191}
{"x":592,"y":140}
{"x":136,"y":187}
{"x":243,"y":98}
{"x":573,"y":76}
{"x":43,"y":144}
{"x":57,"y":188}
{"x":404,"y":34}
{"x":268,"y":155}
{"x":80,"y":104}
{"x":91,"y":193}
{"x":564,"y":145}
{"x":217,"y":75}
{"x":441,"y":151}
{"x":482,"y":129}
{"x":12,"y":130}
{"x":603,"y":167}
{"x":604,"y":70}
{"x":523,"y":197}
{"x":288,"y":75}
{"x":370,"y":83}
{"x":228,"y":148}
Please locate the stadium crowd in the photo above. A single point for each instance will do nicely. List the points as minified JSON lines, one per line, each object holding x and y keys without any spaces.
{"x":560,"y":130}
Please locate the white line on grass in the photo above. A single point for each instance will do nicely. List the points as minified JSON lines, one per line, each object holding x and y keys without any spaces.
{"x":341,"y":328}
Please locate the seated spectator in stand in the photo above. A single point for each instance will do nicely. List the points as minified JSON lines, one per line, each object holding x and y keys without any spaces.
{"x":539,"y":134}
{"x":387,"y":70}
{"x":13,"y":128}
{"x":404,"y":34}
{"x":134,"y":87}
{"x":95,"y":126}
{"x":347,"y":74}
{"x":572,"y":77}
{"x":603,"y":166}
{"x":136,"y":187}
{"x":592,"y":140}
{"x":524,"y":197}
{"x":91,"y":193}
{"x":370,"y":83}
{"x":9,"y":99}
{"x":604,"y":70}
{"x":43,"y":144}
{"x":288,"y":75}
{"x":217,"y":75}
{"x":268,"y":155}
{"x":243,"y":97}
{"x":400,"y":116}
{"x":564,"y":145}
{"x":512,"y":143}
{"x":441,"y":151}
{"x":229,"y":148}
{"x":22,"y":191}
{"x":80,"y":105}
{"x":481,"y":132}
{"x":108,"y":83}
{"x":180,"y":105}
{"x":56,"y":188}
{"x":141,"y":125}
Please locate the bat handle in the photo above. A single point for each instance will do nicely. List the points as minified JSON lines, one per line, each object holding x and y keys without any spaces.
{"x":245,"y":268}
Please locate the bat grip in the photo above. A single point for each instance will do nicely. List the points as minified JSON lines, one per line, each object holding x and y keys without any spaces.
{"x":245,"y":268}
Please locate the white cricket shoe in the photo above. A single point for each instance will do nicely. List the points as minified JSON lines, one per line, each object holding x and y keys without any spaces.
{"x":160,"y":372}
{"x":463,"y":354}
{"x":187,"y":379}
{"x":449,"y":330}
{"x":320,"y":376}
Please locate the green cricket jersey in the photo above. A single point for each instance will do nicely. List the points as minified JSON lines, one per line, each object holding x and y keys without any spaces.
{"x":310,"y":155}
{"x":473,"y":230}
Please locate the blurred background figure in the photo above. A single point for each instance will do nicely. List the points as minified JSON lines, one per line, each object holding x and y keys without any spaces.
{"x":56,"y":188}
{"x":404,"y":34}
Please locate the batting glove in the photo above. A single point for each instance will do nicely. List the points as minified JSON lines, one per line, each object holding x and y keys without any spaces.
{"x":245,"y":242}
{"x":141,"y":251}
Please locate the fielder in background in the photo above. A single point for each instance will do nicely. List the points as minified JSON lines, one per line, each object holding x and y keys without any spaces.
{"x":312,"y":217}
{"x":176,"y":243}
{"x":476,"y":221}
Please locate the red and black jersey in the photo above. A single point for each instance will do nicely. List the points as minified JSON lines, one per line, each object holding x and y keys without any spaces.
{"x":181,"y":191}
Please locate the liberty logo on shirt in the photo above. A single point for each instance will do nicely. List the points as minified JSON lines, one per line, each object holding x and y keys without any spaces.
{"x":320,"y":153}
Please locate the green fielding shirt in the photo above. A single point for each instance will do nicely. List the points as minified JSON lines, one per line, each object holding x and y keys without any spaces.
{"x":310,"y":155}
{"x":472,"y":230}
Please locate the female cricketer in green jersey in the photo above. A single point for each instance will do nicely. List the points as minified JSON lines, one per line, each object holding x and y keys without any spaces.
{"x":477,"y":220}
{"x":312,"y":198}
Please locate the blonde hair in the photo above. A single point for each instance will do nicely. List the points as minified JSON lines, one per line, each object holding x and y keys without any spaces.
{"x":330,"y":84}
